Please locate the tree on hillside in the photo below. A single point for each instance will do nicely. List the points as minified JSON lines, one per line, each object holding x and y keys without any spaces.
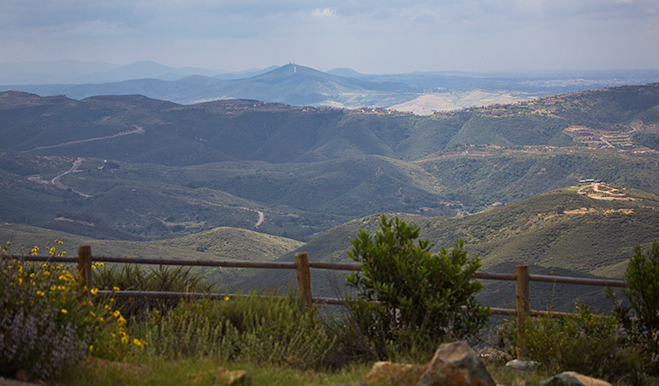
{"x":409,"y":298}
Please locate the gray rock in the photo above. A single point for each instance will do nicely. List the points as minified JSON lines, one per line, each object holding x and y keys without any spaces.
{"x":456,"y":364}
{"x":521,"y":365}
{"x":571,"y":378}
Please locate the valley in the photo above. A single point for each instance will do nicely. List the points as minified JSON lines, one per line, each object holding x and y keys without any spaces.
{"x":138,"y":176}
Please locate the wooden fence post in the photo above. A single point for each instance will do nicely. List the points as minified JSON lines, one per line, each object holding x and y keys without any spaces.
{"x":522,"y":291}
{"x":303,"y":278}
{"x":85,"y":269}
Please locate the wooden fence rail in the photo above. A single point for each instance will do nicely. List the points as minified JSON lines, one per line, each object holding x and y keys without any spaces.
{"x":521,"y":277}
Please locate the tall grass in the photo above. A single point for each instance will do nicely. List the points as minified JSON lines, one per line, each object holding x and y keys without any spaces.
{"x":134,"y":278}
{"x":261,"y":328}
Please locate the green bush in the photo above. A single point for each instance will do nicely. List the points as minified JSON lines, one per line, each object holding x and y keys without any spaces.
{"x":410,"y":299}
{"x":42,"y":327}
{"x":584,"y":342}
{"x":642,"y":277}
{"x":621,"y":346}
{"x":641,"y":319}
{"x":260,"y":328}
{"x":44,"y":324}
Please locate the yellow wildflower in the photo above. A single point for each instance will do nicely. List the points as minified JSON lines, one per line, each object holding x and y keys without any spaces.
{"x":64,"y":311}
{"x":115,"y":288}
{"x":94,"y":291}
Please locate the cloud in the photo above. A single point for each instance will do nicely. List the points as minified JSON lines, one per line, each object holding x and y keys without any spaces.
{"x":325,"y":12}
{"x":426,"y":16}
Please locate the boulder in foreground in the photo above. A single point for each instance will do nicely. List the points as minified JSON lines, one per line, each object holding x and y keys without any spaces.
{"x":456,"y":364}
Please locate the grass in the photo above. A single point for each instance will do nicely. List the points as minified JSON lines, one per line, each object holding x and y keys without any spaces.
{"x":185,"y":372}
{"x":174,"y":373}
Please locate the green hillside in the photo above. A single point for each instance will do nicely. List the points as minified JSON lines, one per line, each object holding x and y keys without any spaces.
{"x":216,"y":244}
{"x":561,"y":231}
{"x":149,"y":168}
{"x":136,"y":129}
{"x":481,"y":177}
{"x":219,"y":243}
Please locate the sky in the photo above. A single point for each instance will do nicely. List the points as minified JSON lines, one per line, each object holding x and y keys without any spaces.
{"x":369,"y":36}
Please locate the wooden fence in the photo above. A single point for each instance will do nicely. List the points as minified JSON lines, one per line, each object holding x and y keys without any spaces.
{"x":521,"y":277}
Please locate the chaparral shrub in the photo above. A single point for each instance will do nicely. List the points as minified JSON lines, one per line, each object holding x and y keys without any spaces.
{"x":641,"y":319}
{"x":45,"y":326}
{"x":409,"y":298}
{"x":584,"y":342}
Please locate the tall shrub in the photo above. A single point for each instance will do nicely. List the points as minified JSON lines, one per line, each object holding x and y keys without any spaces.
{"x":642,"y":277}
{"x":410,"y":298}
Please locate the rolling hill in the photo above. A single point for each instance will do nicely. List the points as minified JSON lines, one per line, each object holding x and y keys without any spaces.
{"x":561,"y":232}
{"x":583,"y":231}
{"x":219,"y":243}
{"x":147,"y":168}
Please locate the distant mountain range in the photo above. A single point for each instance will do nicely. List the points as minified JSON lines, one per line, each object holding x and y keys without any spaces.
{"x":70,"y":72}
{"x":421,"y":93}
{"x":290,"y":84}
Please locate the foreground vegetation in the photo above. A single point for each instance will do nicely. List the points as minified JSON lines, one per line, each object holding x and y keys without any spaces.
{"x":52,"y":330}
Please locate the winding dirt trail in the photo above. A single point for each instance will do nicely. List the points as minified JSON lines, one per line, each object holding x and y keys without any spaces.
{"x":261,"y":219}
{"x":60,"y":185}
{"x":138,"y":130}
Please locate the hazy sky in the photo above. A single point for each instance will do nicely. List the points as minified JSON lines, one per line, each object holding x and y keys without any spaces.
{"x":370,"y":36}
